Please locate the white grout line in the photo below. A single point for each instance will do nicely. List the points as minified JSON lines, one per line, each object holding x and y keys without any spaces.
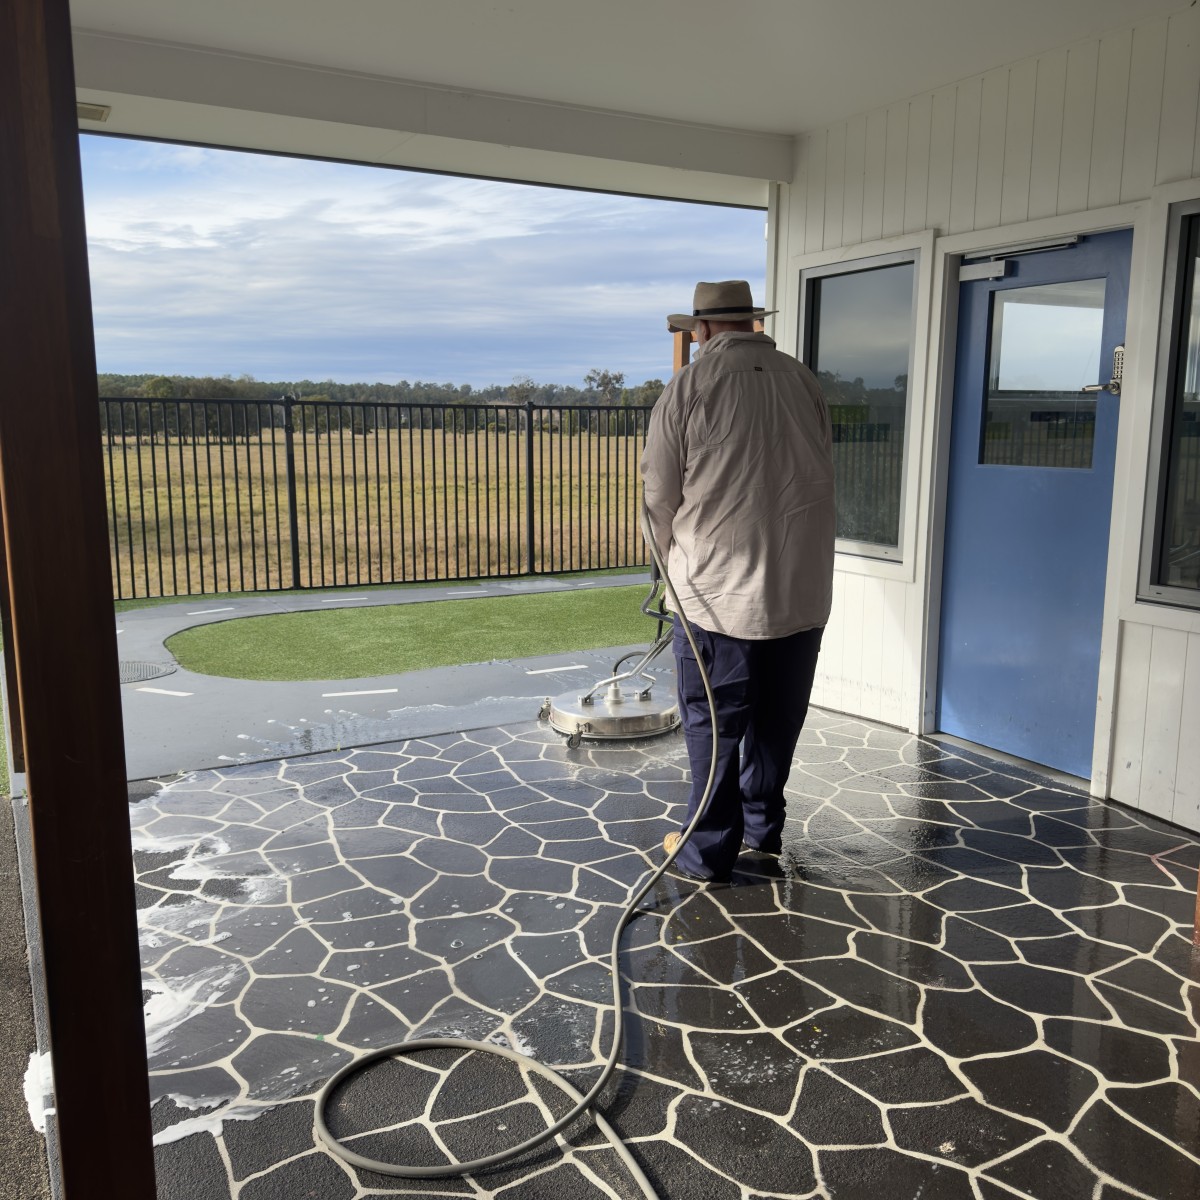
{"x":554,"y":670}
{"x":374,"y":692}
{"x":203,"y":612}
{"x":163,"y":692}
{"x":345,"y":599}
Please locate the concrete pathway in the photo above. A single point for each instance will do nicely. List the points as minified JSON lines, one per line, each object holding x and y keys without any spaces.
{"x":184,"y":721}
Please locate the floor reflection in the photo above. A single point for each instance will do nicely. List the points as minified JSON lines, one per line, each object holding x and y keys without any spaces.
{"x":957,"y":980}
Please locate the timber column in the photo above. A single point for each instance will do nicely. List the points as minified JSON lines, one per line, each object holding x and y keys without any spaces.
{"x":59,"y":585}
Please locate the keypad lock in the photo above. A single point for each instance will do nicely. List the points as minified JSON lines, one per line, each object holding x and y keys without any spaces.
{"x":1118,"y":369}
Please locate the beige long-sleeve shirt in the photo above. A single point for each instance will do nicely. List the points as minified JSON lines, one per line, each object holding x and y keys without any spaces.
{"x":738,"y":473}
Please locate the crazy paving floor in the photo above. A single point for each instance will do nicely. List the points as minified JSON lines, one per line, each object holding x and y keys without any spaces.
{"x":958,"y":981}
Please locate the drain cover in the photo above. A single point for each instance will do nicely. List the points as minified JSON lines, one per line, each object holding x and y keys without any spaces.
{"x":139,"y":672}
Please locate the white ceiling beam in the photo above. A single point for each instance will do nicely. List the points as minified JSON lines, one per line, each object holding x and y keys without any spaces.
{"x":215,"y":97}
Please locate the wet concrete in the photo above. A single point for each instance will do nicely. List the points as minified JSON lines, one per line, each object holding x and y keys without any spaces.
{"x":960,"y":978}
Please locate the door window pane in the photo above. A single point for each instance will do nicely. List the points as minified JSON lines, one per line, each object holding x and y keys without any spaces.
{"x":1046,"y":343}
{"x":1179,"y":557}
{"x":859,"y":342}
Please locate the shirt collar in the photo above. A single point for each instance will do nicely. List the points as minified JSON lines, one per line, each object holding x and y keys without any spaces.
{"x":730,"y":337}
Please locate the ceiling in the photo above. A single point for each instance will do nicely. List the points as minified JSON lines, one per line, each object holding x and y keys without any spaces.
{"x":772,"y":66}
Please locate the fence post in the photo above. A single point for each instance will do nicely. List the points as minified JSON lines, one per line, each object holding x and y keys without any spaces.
{"x":529,"y":562}
{"x":293,"y":513}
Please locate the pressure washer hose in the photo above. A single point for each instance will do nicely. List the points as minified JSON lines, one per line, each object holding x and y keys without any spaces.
{"x":583,"y":1102}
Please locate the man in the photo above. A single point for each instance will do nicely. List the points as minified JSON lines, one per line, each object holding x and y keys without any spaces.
{"x":738,"y":473}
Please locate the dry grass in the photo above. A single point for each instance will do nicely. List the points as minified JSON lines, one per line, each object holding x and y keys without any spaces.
{"x":385,"y":506}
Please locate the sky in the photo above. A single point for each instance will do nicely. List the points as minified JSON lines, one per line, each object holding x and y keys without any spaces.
{"x":216,"y":262}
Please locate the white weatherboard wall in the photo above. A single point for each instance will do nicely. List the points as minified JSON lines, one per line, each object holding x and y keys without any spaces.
{"x":1090,"y":129}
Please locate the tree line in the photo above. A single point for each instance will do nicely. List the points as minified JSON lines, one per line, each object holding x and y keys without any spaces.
{"x":146,"y":412}
{"x":601,"y":387}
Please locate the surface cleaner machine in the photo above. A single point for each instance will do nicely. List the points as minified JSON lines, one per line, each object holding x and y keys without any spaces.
{"x":624,"y":704}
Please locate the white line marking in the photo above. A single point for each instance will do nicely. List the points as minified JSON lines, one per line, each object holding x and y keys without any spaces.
{"x":345,"y":599}
{"x":554,"y":670}
{"x":163,"y":692}
{"x":469,"y":592}
{"x":120,"y":631}
{"x":373,"y":692}
{"x":203,"y":612}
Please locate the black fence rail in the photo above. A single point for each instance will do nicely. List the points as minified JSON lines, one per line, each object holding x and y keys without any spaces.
{"x":209,"y":496}
{"x":239,"y":495}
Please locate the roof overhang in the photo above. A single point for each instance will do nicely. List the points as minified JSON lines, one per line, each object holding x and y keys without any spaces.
{"x":194,"y":94}
{"x":695,"y":99}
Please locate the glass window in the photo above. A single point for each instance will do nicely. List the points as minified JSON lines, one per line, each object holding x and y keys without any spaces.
{"x":1045,"y":348}
{"x":1178,"y":557}
{"x":859,"y":337}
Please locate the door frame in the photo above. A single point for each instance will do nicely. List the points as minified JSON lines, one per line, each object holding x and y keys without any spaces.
{"x":1140,"y":342}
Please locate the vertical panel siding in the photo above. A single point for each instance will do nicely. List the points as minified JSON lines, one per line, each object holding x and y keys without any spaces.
{"x":852,"y":642}
{"x":1196,"y":152}
{"x":1087,"y":126}
{"x":874,"y":175}
{"x":856,"y":174}
{"x":895,"y":169}
{"x":941,"y":160}
{"x":1180,"y":95}
{"x":916,"y":182}
{"x":1160,"y":745}
{"x":1187,"y":772}
{"x":1048,"y":113}
{"x":871,"y":669}
{"x":1156,"y":754}
{"x":1108,"y":129}
{"x":891,"y":653}
{"x":814,"y":228}
{"x":993,"y":123}
{"x":966,"y":156}
{"x":827,"y":688}
{"x":835,"y":157}
{"x":1079,"y":120}
{"x":1018,"y":142}
{"x":868,"y":665}
{"x":1130,"y":733}
{"x":1144,"y":110}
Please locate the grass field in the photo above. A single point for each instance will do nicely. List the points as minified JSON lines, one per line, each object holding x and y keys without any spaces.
{"x":188,"y":518}
{"x":365,"y":642}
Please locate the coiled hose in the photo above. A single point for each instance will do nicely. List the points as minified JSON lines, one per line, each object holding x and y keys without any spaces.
{"x":583,"y":1101}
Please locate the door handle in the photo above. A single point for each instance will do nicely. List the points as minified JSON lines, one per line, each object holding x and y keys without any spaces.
{"x":1118,"y":369}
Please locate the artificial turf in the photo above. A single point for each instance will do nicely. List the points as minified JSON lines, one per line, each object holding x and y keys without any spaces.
{"x":359,"y":643}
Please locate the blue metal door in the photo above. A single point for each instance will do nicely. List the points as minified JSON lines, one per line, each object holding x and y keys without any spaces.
{"x":1030,"y":493}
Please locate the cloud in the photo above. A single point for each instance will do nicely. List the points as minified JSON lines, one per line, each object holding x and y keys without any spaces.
{"x":216,"y":262}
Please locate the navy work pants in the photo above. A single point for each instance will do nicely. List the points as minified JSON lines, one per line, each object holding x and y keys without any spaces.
{"x":761,"y":690}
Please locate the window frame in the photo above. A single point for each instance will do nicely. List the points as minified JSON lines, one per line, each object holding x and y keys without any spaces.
{"x":807,"y":313}
{"x":1168,"y":365}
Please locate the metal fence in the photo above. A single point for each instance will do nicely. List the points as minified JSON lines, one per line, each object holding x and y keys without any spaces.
{"x":240,"y":495}
{"x":212,"y":496}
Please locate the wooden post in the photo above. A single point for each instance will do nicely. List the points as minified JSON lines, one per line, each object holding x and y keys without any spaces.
{"x":683,"y":349}
{"x":64,"y":643}
{"x":12,"y":696}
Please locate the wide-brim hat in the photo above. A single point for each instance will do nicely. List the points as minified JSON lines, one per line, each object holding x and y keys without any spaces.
{"x":726,"y":301}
